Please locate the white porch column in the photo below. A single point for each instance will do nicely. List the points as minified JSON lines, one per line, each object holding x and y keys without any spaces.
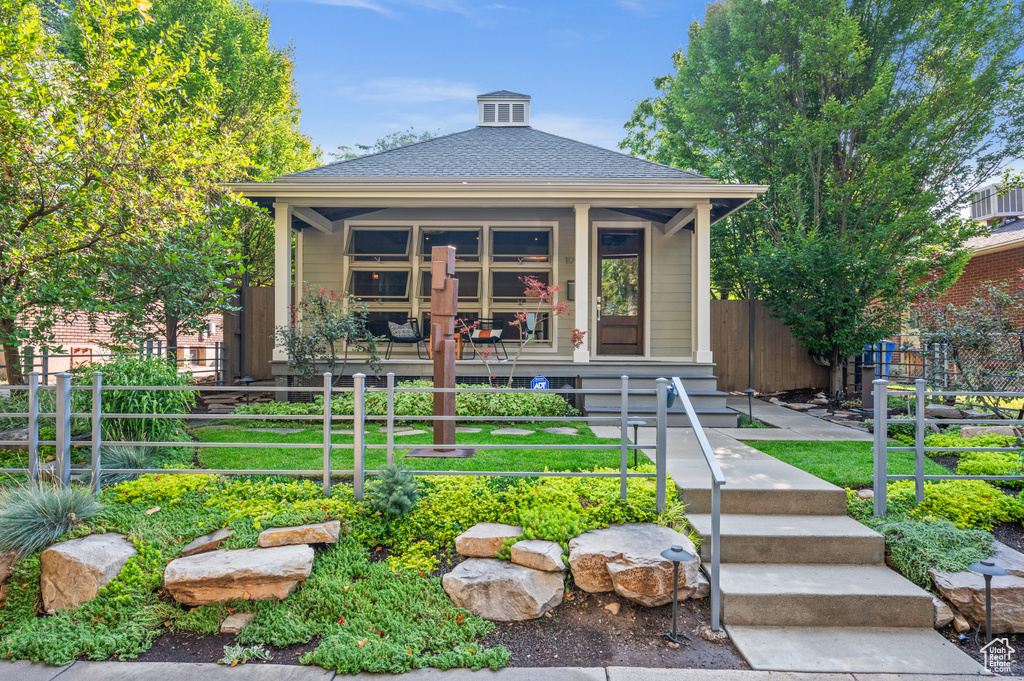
{"x":282,"y":269}
{"x":702,"y":284}
{"x":583,"y":297}
{"x":300,"y":275}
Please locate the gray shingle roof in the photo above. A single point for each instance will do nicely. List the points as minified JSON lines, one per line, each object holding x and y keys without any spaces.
{"x":514,"y":152}
{"x":503,"y":94}
{"x":1009,"y":232}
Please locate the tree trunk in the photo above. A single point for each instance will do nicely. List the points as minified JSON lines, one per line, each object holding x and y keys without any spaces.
{"x":171,"y":334}
{"x":12,"y":354}
{"x":836,"y":371}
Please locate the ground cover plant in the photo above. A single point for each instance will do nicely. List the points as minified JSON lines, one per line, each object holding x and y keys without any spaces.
{"x":374,"y":600}
{"x":846,"y":464}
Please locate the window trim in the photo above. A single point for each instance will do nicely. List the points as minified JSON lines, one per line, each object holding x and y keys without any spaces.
{"x":378,"y":257}
{"x":382,"y":300}
{"x":519,"y":260}
{"x":425,"y":255}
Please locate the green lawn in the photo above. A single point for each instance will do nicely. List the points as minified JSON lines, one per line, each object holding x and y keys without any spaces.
{"x":847,"y":464}
{"x":483,"y":460}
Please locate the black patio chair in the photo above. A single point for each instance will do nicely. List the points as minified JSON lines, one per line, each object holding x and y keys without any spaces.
{"x":404,"y":334}
{"x":488,"y":332}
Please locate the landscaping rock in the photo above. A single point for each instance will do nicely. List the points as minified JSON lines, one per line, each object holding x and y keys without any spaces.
{"x":484,"y":539}
{"x":709,"y":634}
{"x":627,"y":559}
{"x":511,"y":431}
{"x":865,"y":494}
{"x":820,"y":401}
{"x":7,"y":561}
{"x":72,"y":572}
{"x":961,"y":625}
{"x":207,"y":542}
{"x":943,"y":613}
{"x":317,"y":533}
{"x":975,"y":414}
{"x":974,"y":431}
{"x":965,"y":591}
{"x":250,"y":574}
{"x":235,"y":622}
{"x":538,"y":554}
{"x":497,"y":590}
{"x":613,"y":608}
{"x":799,"y":406}
{"x":468,"y":430}
{"x":15,"y":435}
{"x":941,"y":411}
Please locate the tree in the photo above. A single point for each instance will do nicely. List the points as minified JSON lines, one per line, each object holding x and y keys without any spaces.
{"x":98,"y":152}
{"x":389,"y":141}
{"x":872,"y":123}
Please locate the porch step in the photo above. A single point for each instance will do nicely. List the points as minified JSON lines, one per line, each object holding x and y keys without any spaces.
{"x":701,"y":386}
{"x":827,"y":540}
{"x":821,"y":596}
{"x":848,"y":650}
{"x":710,"y":417}
{"x":757,"y":485}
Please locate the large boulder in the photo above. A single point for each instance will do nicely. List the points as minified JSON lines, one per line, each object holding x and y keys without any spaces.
{"x":7,"y":561}
{"x":483,"y":540}
{"x":497,"y":590}
{"x":941,"y":411}
{"x":965,"y":591}
{"x":207,"y":542}
{"x":943,"y":613}
{"x":627,"y":559}
{"x":974,"y":431}
{"x":18,"y":435}
{"x":250,"y":574}
{"x":317,"y":533}
{"x":72,"y":572}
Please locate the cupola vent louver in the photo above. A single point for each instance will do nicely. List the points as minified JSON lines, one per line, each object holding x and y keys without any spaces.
{"x":504,"y":108}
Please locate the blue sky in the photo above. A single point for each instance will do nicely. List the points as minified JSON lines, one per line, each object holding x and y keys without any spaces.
{"x":365,"y":68}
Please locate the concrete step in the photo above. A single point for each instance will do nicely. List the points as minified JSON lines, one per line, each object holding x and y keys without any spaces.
{"x":819,"y":539}
{"x":698,"y":398}
{"x":710,"y":417}
{"x":876,"y":650}
{"x":821,"y":596}
{"x":759,"y":484}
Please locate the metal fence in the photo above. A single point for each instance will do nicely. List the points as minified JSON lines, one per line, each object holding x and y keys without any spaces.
{"x":205,"y":363}
{"x":922,"y":396}
{"x":941,"y":364}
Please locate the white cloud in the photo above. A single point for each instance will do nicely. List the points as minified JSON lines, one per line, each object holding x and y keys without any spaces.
{"x":416,"y":90}
{"x":602,"y":132}
{"x":632,"y":5}
{"x":357,"y":4}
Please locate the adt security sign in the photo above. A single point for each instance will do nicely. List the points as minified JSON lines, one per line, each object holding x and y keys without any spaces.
{"x":539,"y":383}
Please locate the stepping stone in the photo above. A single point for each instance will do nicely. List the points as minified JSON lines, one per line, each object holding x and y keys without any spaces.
{"x":469,"y":430}
{"x":207,"y":542}
{"x":317,"y":533}
{"x":498,"y":590}
{"x":561,"y":430}
{"x":409,"y":432}
{"x":342,"y":431}
{"x":538,"y":555}
{"x":484,"y":539}
{"x":512,"y":431}
{"x":73,"y":572}
{"x":235,"y":622}
{"x":220,"y":427}
{"x":398,"y":429}
{"x":248,"y":574}
{"x":280,"y":431}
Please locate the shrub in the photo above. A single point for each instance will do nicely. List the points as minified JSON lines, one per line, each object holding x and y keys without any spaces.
{"x":17,"y":403}
{"x":953,"y":439}
{"x":916,"y":546}
{"x":901,"y":427}
{"x":416,"y":404}
{"x":121,"y":456}
{"x":137,"y":371}
{"x":35,"y":517}
{"x":966,"y":503}
{"x":394,"y":492}
{"x":992,"y":463}
{"x":554,"y":523}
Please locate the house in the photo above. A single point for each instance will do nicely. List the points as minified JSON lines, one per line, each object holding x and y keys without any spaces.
{"x":628,"y":239}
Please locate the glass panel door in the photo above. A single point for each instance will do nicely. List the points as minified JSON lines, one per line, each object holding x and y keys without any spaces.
{"x":621,"y":302}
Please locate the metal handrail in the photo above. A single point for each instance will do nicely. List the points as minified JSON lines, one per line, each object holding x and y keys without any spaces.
{"x":717,"y":480}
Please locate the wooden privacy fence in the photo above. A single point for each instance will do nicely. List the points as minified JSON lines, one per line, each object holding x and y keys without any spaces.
{"x":249,"y":334}
{"x":780,"y":362}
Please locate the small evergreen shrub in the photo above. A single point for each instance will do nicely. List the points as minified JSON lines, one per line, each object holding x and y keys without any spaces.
{"x":394,"y":492}
{"x":901,"y":427}
{"x":916,"y":546}
{"x":992,"y":463}
{"x":35,"y":517}
{"x":966,"y":503}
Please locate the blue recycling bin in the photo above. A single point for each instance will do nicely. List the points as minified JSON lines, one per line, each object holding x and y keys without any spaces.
{"x":880,"y":354}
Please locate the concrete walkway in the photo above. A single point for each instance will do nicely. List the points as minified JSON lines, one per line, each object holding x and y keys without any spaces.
{"x":788,"y":424}
{"x":161,"y":671}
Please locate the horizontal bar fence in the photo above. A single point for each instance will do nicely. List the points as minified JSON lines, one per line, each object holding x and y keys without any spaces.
{"x":921,"y":397}
{"x":213,"y":366}
{"x":60,"y":471}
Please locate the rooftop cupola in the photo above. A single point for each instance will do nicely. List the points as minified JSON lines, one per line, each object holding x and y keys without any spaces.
{"x":504,"y":107}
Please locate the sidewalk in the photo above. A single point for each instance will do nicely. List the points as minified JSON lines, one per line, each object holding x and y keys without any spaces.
{"x":788,"y":425}
{"x":162,"y":671}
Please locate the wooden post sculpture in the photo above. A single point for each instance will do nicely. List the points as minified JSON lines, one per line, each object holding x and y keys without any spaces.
{"x":444,"y":303}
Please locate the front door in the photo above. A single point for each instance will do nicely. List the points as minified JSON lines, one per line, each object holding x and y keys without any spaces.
{"x":620,"y":307}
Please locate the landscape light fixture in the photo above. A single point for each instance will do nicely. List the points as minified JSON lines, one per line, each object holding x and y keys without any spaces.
{"x":989,"y":569}
{"x":676,"y":554}
{"x":749,"y":392}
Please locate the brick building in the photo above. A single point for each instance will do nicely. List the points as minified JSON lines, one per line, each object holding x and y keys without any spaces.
{"x":997,"y":257}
